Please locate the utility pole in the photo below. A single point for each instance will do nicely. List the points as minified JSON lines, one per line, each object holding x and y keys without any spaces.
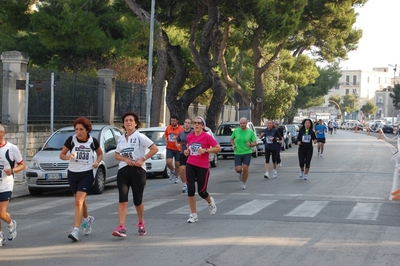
{"x":394,"y":84}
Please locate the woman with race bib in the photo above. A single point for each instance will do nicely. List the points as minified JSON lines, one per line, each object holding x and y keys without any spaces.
{"x":81,"y":149}
{"x":305,"y":141}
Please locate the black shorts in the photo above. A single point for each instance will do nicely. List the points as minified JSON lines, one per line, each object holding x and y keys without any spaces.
{"x":80,"y":181}
{"x":182,"y":159}
{"x":319,"y":140}
{"x":5,"y":196}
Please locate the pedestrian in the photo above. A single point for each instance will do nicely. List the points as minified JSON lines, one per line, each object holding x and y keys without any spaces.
{"x":320,"y":130}
{"x":305,"y":140}
{"x":200,"y":144}
{"x":330,"y":127}
{"x":131,"y":152}
{"x":182,"y":143}
{"x":242,"y":139}
{"x":279,"y":143}
{"x":10,"y":164}
{"x":171,"y":134}
{"x":80,"y":150}
{"x":272,"y":138}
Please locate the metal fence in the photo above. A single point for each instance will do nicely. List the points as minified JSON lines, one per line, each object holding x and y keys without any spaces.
{"x":129,"y":97}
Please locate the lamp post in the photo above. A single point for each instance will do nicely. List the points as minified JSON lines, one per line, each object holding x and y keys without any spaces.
{"x":150,"y":65}
{"x":394,"y":83}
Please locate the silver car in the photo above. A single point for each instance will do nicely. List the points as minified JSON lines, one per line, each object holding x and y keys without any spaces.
{"x":46,"y":171}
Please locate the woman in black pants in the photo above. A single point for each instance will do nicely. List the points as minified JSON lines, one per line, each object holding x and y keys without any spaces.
{"x":305,"y":140}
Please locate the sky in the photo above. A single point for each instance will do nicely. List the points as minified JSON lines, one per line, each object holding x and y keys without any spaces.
{"x":379,"y":46}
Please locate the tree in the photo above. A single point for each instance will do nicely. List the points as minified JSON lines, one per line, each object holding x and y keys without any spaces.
{"x":395,"y":95}
{"x":369,"y":108}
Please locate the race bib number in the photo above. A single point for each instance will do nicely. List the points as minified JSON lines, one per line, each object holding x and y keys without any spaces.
{"x":128,"y":153}
{"x":172,"y":137}
{"x":306,"y":138}
{"x":82,"y":155}
{"x":194,"y":149}
{"x":270,"y":140}
{"x":320,"y":132}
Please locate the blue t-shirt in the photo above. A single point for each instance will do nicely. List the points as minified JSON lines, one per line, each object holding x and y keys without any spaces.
{"x":320,"y":131}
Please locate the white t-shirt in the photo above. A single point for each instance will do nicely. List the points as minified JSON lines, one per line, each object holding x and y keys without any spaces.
{"x":84,"y":155}
{"x":9,"y":157}
{"x":133,"y":148}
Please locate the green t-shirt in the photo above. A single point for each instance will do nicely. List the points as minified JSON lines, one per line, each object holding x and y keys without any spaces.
{"x":241,"y":137}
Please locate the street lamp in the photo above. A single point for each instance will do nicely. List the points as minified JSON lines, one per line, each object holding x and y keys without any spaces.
{"x":394,"y":83}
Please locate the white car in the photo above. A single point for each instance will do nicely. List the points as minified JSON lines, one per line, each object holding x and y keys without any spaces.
{"x":157,"y":163}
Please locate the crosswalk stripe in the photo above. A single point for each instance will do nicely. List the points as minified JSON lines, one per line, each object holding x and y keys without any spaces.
{"x":251,"y":207}
{"x":200,"y":205}
{"x":91,"y":207}
{"x":148,"y":205}
{"x":365,"y":211}
{"x":307,"y":209}
{"x":42,"y":207}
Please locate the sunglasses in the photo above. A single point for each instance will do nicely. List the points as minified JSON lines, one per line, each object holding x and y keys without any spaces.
{"x":198,"y":123}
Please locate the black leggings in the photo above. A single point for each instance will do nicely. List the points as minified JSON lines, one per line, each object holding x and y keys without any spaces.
{"x":134,"y":177}
{"x":269,"y":153}
{"x":305,"y":155}
{"x":200,"y":175}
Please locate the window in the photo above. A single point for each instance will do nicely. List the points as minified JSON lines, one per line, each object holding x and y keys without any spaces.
{"x":347,"y":91}
{"x":347,"y":79}
{"x":354,"y":80}
{"x":367,"y":79}
{"x":109,"y":140}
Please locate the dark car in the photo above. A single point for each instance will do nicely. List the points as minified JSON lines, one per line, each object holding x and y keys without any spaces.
{"x":294,"y":131}
{"x":388,"y":129}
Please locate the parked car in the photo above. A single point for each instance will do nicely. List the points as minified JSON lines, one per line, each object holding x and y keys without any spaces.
{"x":287,"y":139}
{"x":46,"y":171}
{"x":260,"y":141}
{"x":157,"y":164}
{"x":294,"y":132}
{"x":223,"y":136}
{"x":388,"y":129}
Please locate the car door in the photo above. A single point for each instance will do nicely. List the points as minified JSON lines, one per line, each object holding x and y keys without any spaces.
{"x":109,"y":139}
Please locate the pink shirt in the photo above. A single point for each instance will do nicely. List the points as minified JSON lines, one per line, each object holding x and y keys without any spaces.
{"x":194,"y":143}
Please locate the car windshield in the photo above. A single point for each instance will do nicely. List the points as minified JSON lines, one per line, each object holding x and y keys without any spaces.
{"x":291,"y":128}
{"x":156,"y":136}
{"x":259,"y":131}
{"x":226,"y":129}
{"x":56,"y":142}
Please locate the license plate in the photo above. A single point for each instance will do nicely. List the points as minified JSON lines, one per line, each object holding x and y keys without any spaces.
{"x":53,"y":176}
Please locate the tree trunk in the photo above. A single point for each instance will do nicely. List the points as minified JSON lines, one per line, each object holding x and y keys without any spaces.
{"x":217,"y":102}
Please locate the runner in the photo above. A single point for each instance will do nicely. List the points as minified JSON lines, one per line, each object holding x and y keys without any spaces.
{"x":200,"y":144}
{"x":81,"y":148}
{"x":130,"y":152}
{"x":181,"y":142}
{"x":279,"y":143}
{"x":320,"y":131}
{"x":173,"y":152}
{"x":11,"y":163}
{"x":304,"y":141}
{"x":272,"y":136}
{"x":242,"y":139}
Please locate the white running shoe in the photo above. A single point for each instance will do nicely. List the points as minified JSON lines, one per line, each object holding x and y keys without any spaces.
{"x":275,"y":174}
{"x":87,"y":225}
{"x":172,"y":175}
{"x":266,"y":175}
{"x":74,"y":235}
{"x":184,"y":189}
{"x":321,"y":155}
{"x":301,"y":174}
{"x":279,"y":164}
{"x":192,"y":218}
{"x":244,"y":186}
{"x":12,"y":230}
{"x":212,"y":208}
{"x":176,"y":180}
{"x":2,"y":239}
{"x":305,"y":177}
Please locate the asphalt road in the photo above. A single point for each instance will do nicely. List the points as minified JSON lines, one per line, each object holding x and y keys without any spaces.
{"x":343,"y":214}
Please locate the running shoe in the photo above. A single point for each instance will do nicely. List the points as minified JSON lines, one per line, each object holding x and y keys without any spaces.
{"x":74,"y":235}
{"x":212,"y":208}
{"x":275,"y":174}
{"x":119,"y":231}
{"x":141,"y":229}
{"x":12,"y":230}
{"x":305,"y":177}
{"x":172,"y":175}
{"x":244,"y":186}
{"x":192,"y":218}
{"x":87,"y":225}
{"x":176,"y":180}
{"x":184,"y":189}
{"x":279,"y":164}
{"x":266,"y":175}
{"x":2,"y":239}
{"x":301,"y":174}
{"x":321,"y":155}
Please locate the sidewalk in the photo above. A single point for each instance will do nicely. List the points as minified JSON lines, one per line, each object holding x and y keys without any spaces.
{"x":20,"y":187}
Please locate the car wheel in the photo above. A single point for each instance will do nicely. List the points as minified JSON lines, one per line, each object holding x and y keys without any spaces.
{"x":35,"y":192}
{"x":99,"y":182}
{"x":165,"y":174}
{"x":214,"y":162}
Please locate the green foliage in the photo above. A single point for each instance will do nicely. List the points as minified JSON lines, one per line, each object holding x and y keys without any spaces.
{"x":347,"y":103}
{"x":395,"y":95}
{"x":369,"y":108}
